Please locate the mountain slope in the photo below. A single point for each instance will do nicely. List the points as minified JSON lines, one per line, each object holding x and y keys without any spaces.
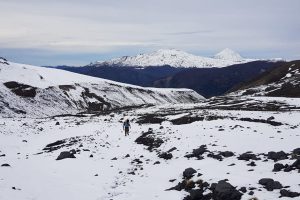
{"x":215,"y":81}
{"x":176,"y":58}
{"x":37,"y":91}
{"x":282,"y":81}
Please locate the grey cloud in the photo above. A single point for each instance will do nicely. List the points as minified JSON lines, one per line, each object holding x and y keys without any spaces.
{"x":107,"y":28}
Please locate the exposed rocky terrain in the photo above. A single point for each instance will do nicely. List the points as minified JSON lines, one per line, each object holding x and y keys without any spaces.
{"x":282,"y":81}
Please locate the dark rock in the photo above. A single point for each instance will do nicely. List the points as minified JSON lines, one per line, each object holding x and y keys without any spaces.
{"x":138,"y":161}
{"x":277,"y":155}
{"x":248,"y":156}
{"x":165,"y":155}
{"x":296,"y":164}
{"x":156,"y":163}
{"x":225,"y":191}
{"x":20,"y":89}
{"x":57,"y":123}
{"x":270,"y":184}
{"x":243,"y":189}
{"x":271,"y":118}
{"x":2,"y":155}
{"x":287,"y":193}
{"x":127,"y":156}
{"x":196,"y":194}
{"x":278,"y":167}
{"x":91,"y":156}
{"x":251,"y":193}
{"x":115,"y":158}
{"x":288,"y":169}
{"x":186,"y":120}
{"x":198,"y":152}
{"x":148,"y":139}
{"x":252,"y":164}
{"x":65,"y":154}
{"x":5,"y":165}
{"x":172,"y":149}
{"x":215,"y":156}
{"x":189,"y":173}
{"x":227,"y":154}
{"x":296,"y":151}
{"x":172,"y":180}
{"x":150,"y":119}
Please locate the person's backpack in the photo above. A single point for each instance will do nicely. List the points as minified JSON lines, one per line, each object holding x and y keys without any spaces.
{"x":126,"y":124}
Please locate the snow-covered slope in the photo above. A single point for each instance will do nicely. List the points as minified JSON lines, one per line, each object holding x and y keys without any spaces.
{"x":191,"y":151}
{"x":176,"y":58}
{"x":38,"y":91}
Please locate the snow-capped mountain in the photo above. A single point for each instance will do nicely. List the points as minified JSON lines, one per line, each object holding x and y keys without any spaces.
{"x":228,"y":54}
{"x":38,"y":91}
{"x":176,"y":58}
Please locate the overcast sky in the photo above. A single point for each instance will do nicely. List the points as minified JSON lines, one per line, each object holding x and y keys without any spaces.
{"x":76,"y":32}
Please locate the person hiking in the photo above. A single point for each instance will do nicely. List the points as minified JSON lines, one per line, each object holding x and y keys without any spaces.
{"x":126,"y":126}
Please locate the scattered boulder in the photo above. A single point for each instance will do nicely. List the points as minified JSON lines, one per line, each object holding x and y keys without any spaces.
{"x":296,"y":151}
{"x":227,"y":154}
{"x":172,"y":149}
{"x":66,"y":154}
{"x":149,"y":139}
{"x":165,"y":155}
{"x":215,"y":156}
{"x":271,"y":118}
{"x":252,"y":164}
{"x":278,"y":167}
{"x":248,"y":156}
{"x":189,"y":173}
{"x":280,"y":155}
{"x":270,"y":184}
{"x":243,"y":189}
{"x":198,"y":152}
{"x":225,"y":191}
{"x":287,"y":193}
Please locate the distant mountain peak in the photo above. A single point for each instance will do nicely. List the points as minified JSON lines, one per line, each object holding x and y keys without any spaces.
{"x":228,"y":54}
{"x":176,"y":58}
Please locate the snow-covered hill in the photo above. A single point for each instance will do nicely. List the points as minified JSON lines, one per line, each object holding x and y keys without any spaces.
{"x":37,"y":91}
{"x":176,"y":58}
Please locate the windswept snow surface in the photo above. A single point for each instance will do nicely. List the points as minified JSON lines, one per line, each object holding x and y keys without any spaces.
{"x":35,"y":173}
{"x":55,"y":92}
{"x":177,"y":58}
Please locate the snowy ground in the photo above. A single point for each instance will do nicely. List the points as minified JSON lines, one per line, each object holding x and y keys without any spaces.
{"x":110,"y":174}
